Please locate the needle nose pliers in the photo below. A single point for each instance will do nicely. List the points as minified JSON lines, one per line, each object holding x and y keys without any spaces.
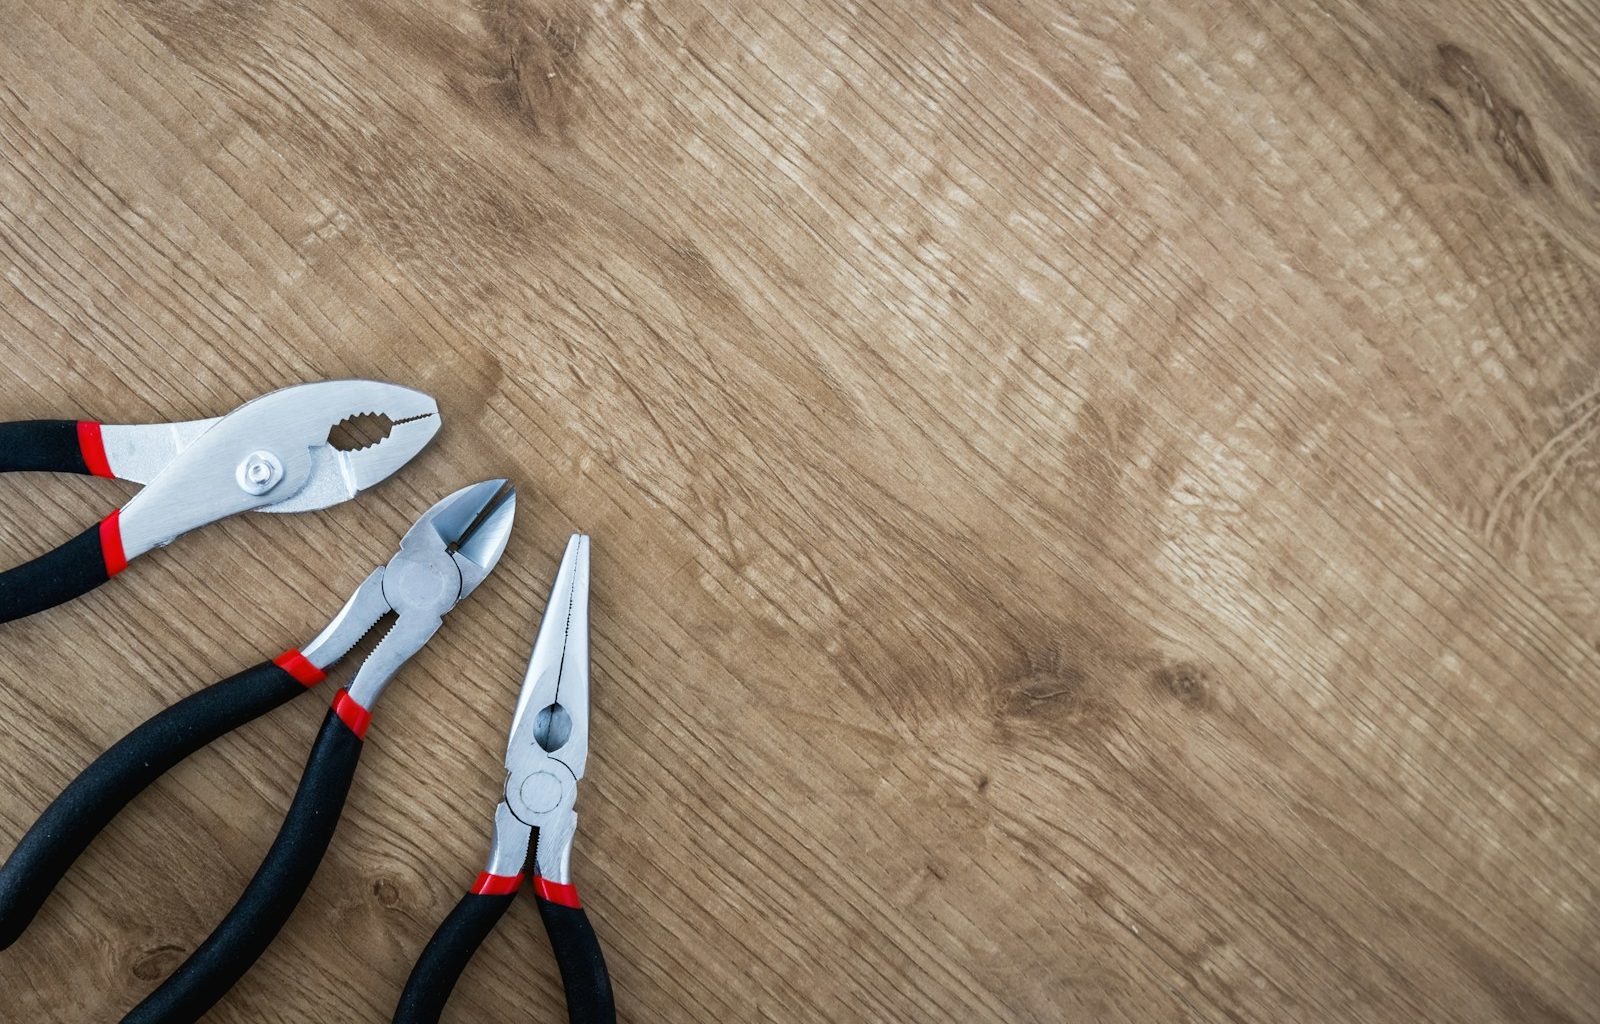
{"x":442,"y":558}
{"x":544,"y":761}
{"x":270,"y":454}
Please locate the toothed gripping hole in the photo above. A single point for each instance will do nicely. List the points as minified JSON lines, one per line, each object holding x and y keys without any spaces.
{"x":362,"y":430}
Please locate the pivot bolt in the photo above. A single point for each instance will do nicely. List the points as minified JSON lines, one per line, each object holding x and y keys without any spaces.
{"x":259,"y":472}
{"x":540,"y":792}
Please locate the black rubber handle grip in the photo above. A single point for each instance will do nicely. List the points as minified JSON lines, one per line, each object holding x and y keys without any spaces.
{"x":272,"y":894}
{"x":41,"y":446}
{"x":583,"y":968}
{"x":56,"y":577}
{"x":90,"y":801}
{"x":446,"y":956}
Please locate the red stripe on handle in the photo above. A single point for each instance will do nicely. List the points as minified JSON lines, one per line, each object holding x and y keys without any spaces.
{"x":556,"y":892}
{"x":496,"y":885}
{"x":352,"y":714}
{"x":93,"y":446}
{"x":111,"y":543}
{"x":298,"y":666}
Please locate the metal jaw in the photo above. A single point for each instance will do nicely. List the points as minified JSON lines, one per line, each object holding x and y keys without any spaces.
{"x":270,"y":454}
{"x":442,"y":559}
{"x":549,"y":742}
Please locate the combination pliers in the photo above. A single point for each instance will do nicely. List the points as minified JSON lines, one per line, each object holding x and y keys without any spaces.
{"x":270,"y":455}
{"x":442,"y":558}
{"x":535,"y":821}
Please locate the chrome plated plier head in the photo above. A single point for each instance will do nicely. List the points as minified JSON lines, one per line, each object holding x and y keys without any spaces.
{"x":549,"y":742}
{"x":271,"y":454}
{"x":535,"y":821}
{"x":442,"y":559}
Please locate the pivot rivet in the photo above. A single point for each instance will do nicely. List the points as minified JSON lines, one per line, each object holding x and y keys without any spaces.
{"x":259,"y":472}
{"x":540,"y":792}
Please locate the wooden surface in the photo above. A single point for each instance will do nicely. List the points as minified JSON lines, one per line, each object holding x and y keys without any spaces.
{"x":1094,"y":505}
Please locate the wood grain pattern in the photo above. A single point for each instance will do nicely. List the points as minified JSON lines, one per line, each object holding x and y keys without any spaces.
{"x":1094,"y":504}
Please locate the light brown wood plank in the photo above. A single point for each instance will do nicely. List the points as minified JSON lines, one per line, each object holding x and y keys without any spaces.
{"x":1093,"y":506}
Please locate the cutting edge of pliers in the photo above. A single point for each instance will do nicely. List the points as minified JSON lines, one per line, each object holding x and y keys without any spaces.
{"x":443,"y":557}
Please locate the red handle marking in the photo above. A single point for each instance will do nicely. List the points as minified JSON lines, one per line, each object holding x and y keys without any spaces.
{"x":111,"y":543}
{"x":93,"y":446}
{"x":352,"y":714}
{"x":496,"y":885}
{"x":300,"y":667}
{"x":556,"y":892}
